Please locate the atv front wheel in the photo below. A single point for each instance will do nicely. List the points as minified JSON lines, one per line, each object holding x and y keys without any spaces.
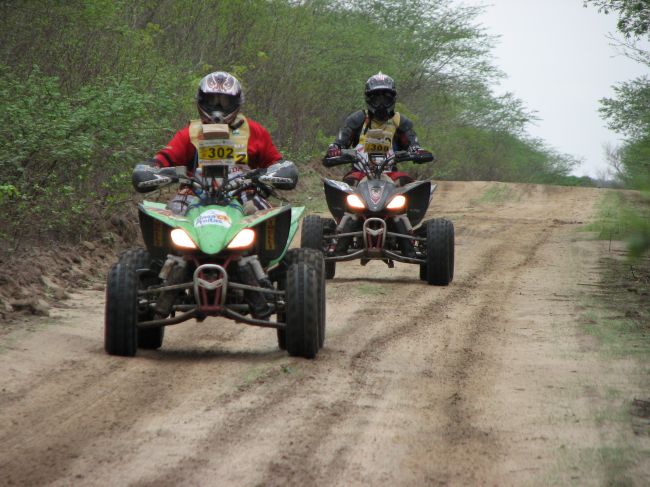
{"x":440,"y":252}
{"x":148,"y":338}
{"x":303,"y":310}
{"x":313,"y":228}
{"x":313,"y":258}
{"x":121,"y":313}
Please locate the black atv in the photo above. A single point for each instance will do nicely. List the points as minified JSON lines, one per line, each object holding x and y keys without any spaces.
{"x":380,"y":220}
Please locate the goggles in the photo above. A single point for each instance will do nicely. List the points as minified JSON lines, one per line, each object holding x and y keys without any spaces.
{"x":219,"y":102}
{"x":379,"y":99}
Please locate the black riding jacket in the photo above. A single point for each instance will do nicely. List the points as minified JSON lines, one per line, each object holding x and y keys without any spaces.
{"x":405,"y":136}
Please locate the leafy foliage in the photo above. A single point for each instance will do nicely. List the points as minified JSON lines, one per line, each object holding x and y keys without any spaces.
{"x":63,"y":154}
{"x":629,"y":114}
{"x":94,"y":86}
{"x":633,"y":15}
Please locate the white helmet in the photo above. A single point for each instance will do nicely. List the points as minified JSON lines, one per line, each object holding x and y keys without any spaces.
{"x":219,"y":98}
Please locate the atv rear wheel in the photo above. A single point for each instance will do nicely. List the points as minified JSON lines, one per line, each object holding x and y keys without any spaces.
{"x":303,"y":310}
{"x":121,"y":313}
{"x":313,"y":258}
{"x":313,"y":229}
{"x":440,"y":252}
{"x":148,"y":338}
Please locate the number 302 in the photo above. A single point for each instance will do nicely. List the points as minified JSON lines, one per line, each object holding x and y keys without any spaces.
{"x":221,"y":152}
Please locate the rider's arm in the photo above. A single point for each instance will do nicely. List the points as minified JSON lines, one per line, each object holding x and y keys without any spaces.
{"x":351,"y":130}
{"x":261,"y":151}
{"x":178,"y":152}
{"x":405,"y":136}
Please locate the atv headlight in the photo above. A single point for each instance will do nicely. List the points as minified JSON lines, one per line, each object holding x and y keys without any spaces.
{"x":355,"y":202}
{"x":397,"y":203}
{"x":182,"y":239}
{"x":243,"y":239}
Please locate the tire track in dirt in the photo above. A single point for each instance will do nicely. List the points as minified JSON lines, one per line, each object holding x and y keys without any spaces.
{"x":285,"y":471}
{"x":96,"y":391}
{"x":394,"y":398}
{"x":459,"y":429}
{"x":250,"y":418}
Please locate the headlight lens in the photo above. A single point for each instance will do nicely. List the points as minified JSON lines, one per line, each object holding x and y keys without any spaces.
{"x":397,"y":202}
{"x":181,"y":238}
{"x":243,"y":239}
{"x":355,"y":202}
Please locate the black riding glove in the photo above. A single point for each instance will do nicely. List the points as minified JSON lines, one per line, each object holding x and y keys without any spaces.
{"x":149,"y":176}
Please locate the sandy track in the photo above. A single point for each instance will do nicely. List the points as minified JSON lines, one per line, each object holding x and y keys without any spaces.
{"x":416,"y":385}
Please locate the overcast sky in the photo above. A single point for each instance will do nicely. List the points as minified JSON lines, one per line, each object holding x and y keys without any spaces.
{"x":559,"y":61}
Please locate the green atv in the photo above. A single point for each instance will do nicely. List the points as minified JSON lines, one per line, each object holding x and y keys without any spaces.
{"x":217,"y":260}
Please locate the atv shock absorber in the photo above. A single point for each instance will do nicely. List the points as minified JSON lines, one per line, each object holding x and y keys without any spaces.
{"x":173,"y":272}
{"x":346,"y":225}
{"x":251,"y":273}
{"x":403,"y":226}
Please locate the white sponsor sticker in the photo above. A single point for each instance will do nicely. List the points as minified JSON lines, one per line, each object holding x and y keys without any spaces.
{"x":213,"y":217}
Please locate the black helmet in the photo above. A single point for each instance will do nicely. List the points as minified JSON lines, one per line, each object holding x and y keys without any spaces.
{"x":380,"y":96}
{"x":219,"y":98}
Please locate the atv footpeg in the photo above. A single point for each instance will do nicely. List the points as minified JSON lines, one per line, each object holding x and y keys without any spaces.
{"x":210,"y":278}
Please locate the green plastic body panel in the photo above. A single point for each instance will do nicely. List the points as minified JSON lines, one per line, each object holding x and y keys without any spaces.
{"x":213,"y":227}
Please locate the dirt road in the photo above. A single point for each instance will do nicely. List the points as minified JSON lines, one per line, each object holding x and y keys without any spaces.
{"x":488,"y":381}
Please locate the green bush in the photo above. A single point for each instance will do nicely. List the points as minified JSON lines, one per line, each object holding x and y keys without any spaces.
{"x":97,"y":85}
{"x":61,"y":155}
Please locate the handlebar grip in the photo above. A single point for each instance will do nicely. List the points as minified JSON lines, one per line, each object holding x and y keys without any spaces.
{"x":415,"y":158}
{"x":337,"y":161}
{"x":170,"y":173}
{"x":421,"y":159}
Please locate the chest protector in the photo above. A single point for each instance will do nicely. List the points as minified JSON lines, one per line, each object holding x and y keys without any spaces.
{"x":377,"y":137}
{"x":219,"y":144}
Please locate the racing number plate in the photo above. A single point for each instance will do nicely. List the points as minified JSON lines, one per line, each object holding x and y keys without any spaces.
{"x":217,"y":150}
{"x":377,"y":146}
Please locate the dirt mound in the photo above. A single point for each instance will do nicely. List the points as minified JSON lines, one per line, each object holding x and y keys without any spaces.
{"x":36,"y":276}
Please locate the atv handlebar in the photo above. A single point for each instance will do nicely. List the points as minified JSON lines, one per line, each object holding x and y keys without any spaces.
{"x":349,"y":156}
{"x":417,"y":158}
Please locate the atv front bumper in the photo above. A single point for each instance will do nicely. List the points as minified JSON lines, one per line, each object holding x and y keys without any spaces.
{"x":374,"y":235}
{"x":210,"y":299}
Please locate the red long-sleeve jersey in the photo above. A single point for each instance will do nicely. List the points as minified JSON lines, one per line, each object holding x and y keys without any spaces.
{"x":181,"y":152}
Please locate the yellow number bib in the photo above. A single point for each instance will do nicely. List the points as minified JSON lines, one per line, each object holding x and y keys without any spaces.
{"x":378,"y":137}
{"x":377,"y":146}
{"x":222,"y":150}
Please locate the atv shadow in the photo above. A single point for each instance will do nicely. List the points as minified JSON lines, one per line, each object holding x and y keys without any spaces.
{"x":382,"y":280}
{"x":171,"y":355}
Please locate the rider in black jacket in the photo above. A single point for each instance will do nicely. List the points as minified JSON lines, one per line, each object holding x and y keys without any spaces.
{"x":380,"y":94}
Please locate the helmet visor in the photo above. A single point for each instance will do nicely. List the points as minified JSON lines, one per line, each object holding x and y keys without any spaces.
{"x":381,"y":99}
{"x":219,"y":102}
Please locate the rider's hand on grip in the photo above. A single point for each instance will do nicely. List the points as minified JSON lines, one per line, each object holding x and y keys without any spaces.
{"x":420,"y":155}
{"x":169,"y":172}
{"x":334,"y":150}
{"x":148,"y":177}
{"x":255,"y":174}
